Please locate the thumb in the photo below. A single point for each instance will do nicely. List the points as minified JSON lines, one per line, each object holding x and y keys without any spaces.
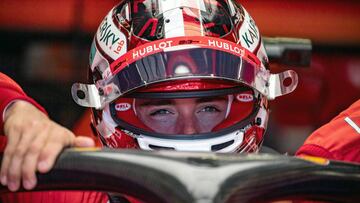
{"x":83,"y":141}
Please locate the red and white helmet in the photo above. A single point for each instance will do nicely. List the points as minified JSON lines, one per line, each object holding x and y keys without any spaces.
{"x":178,"y":49}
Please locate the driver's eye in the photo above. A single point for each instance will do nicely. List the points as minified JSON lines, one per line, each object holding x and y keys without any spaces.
{"x":209,"y":109}
{"x":160,"y":112}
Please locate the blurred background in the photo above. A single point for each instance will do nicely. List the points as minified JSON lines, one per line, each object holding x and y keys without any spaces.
{"x":44,"y":46}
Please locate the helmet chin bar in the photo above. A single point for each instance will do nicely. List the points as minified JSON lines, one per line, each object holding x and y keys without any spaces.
{"x":226,"y":143}
{"x":269,"y":85}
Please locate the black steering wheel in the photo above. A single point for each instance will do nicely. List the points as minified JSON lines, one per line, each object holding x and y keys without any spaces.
{"x":168,"y":176}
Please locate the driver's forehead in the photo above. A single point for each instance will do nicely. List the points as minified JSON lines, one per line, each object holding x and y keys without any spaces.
{"x":160,"y":102}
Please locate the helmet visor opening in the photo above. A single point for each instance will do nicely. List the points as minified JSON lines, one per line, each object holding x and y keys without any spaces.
{"x":186,"y":116}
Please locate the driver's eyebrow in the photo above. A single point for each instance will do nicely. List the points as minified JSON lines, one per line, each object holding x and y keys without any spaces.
{"x":157,"y":102}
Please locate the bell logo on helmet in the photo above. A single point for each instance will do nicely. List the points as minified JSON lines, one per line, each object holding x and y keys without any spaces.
{"x":122,"y":106}
{"x":244,"y":97}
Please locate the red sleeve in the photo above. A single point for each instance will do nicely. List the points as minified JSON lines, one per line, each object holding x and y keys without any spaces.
{"x":339,"y":139}
{"x":56,"y":197}
{"x":10,"y":91}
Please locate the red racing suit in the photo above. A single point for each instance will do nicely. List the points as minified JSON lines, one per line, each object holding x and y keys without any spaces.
{"x":10,"y":91}
{"x":339,"y":139}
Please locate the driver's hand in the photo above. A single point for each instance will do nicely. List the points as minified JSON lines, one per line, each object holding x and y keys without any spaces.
{"x":34,"y":142}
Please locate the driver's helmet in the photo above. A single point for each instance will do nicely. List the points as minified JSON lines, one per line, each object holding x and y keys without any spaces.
{"x":150,"y":58}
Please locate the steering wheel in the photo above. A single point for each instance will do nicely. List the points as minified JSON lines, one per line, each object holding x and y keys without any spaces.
{"x":168,"y":176}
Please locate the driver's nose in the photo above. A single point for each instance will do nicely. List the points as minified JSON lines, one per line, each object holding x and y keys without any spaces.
{"x":189,"y":127}
{"x":187,"y":122}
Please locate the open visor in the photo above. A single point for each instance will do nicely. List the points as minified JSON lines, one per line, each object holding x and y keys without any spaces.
{"x":183,"y":59}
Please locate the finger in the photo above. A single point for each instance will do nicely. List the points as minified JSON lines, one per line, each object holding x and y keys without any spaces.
{"x":13,"y":137}
{"x":15,"y":167}
{"x":82,"y":141}
{"x":48,"y":156}
{"x":31,"y":160}
{"x":52,"y":150}
{"x":54,"y":145}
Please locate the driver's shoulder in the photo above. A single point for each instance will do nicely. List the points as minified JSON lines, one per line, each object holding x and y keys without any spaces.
{"x":339,"y":139}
